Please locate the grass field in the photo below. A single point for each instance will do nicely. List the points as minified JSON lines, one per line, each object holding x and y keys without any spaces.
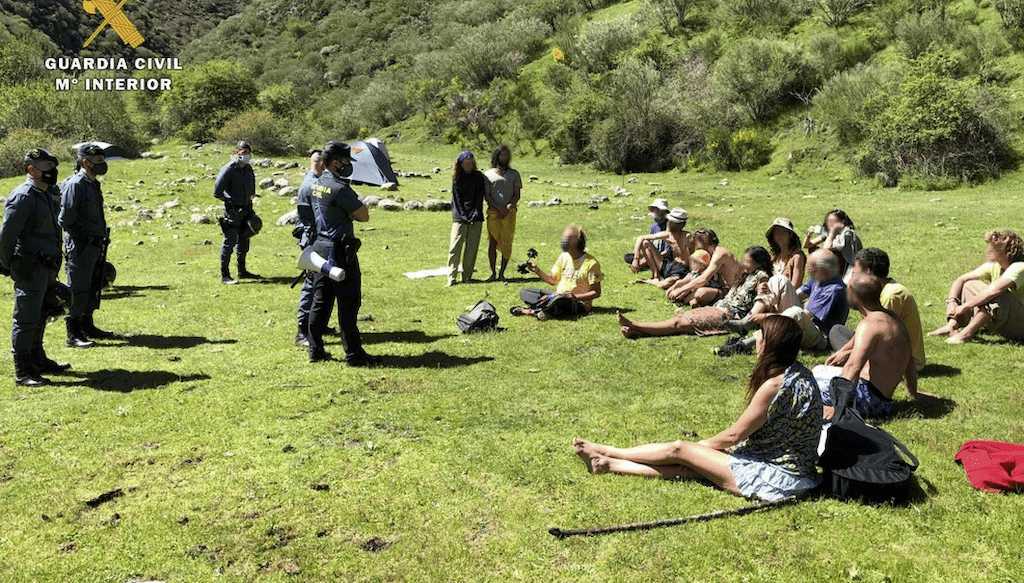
{"x":236,"y":459}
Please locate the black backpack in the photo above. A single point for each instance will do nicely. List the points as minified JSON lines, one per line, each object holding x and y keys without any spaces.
{"x":481,"y":318}
{"x":863,"y":462}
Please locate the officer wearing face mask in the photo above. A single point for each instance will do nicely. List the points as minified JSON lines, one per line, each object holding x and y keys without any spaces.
{"x":85,"y":239}
{"x":30,"y":253}
{"x":236,"y":186}
{"x":335,"y":207}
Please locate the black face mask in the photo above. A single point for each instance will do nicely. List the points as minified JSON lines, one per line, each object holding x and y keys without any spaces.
{"x":99,"y":168}
{"x":49,"y":177}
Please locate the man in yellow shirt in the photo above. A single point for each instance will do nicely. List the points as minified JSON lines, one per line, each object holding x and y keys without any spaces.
{"x":576,"y":277}
{"x":896,"y":298}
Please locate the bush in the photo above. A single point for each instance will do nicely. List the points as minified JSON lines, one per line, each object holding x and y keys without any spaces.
{"x":17,"y":143}
{"x":763,"y":15}
{"x":920,"y":32}
{"x":495,"y":50}
{"x":850,"y":101}
{"x":260,"y":128}
{"x":573,"y":122}
{"x":933,"y":128}
{"x":1012,"y":14}
{"x":202,"y":99}
{"x":745,"y":149}
{"x":673,"y":13}
{"x":836,"y":13}
{"x":759,"y":75}
{"x":279,"y":99}
{"x":600,"y":44}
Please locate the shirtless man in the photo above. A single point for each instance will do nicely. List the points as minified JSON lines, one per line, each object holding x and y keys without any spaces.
{"x":881,"y":357}
{"x":668,"y":270}
{"x":724,"y":267}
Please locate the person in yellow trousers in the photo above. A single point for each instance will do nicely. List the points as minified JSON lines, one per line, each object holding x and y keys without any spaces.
{"x":506,"y":189}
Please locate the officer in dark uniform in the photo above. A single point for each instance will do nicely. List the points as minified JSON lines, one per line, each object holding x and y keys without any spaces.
{"x":236,"y":186}
{"x":30,"y":253}
{"x":335,"y":207}
{"x":307,"y":224}
{"x":85,"y":239}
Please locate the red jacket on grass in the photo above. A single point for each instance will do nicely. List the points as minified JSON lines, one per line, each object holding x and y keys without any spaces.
{"x":993,"y":466}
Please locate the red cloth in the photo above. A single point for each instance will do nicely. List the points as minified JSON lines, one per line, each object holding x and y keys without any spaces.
{"x":993,"y":466}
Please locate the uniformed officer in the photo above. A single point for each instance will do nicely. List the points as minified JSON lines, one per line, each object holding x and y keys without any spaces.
{"x":236,"y":186}
{"x":307,"y":223}
{"x":30,"y":253}
{"x":335,"y":207}
{"x":86,"y":238}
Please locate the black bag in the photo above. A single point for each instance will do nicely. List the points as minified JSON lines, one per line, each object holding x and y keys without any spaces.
{"x":481,"y":318}
{"x":863,"y":462}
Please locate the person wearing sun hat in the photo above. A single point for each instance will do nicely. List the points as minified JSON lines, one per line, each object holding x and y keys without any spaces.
{"x":658,"y":210}
{"x":788,"y":258}
{"x":668,"y":270}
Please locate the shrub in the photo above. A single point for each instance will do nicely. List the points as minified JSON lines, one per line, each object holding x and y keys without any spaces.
{"x":600,"y":43}
{"x":933,"y":128}
{"x":14,"y":146}
{"x":279,"y":99}
{"x":836,"y":13}
{"x":573,"y":122}
{"x":759,"y":75}
{"x":202,"y":99}
{"x":495,"y":50}
{"x":745,"y":149}
{"x":673,"y":13}
{"x":1011,"y":12}
{"x":849,"y":101}
{"x":764,"y":15}
{"x":917,"y":33}
{"x":19,"y":63}
{"x":260,"y":128}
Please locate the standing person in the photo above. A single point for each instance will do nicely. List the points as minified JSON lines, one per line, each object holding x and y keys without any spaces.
{"x":307,"y":223}
{"x":842,"y":238}
{"x":30,"y":253}
{"x":335,"y":207}
{"x":503,"y":205}
{"x":788,"y":258}
{"x":770,"y":452}
{"x":236,"y":186}
{"x":469,"y":190}
{"x":86,"y":238}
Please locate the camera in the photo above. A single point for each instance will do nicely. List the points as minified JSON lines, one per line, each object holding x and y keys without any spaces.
{"x":524,"y":268}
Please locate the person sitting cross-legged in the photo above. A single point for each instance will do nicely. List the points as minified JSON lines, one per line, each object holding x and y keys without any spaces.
{"x":895,"y":297}
{"x":658,"y":211}
{"x":769,"y":453}
{"x":990,"y":297}
{"x":738,"y":303}
{"x":666,"y":270}
{"x":576,"y":278}
{"x":723,"y":273}
{"x":881,"y":357}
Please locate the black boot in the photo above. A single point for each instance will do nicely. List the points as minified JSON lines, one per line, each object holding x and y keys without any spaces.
{"x":46,"y":365}
{"x":26,"y":374}
{"x":244,"y":273}
{"x":90,"y":329}
{"x":76,"y":339}
{"x":225,"y":272}
{"x":301,"y":339}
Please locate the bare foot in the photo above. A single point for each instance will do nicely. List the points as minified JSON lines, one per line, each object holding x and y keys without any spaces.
{"x":600,"y":465}
{"x":943,"y":331}
{"x":585,"y":450}
{"x":623,"y":320}
{"x":828,"y":412}
{"x":957,"y":339}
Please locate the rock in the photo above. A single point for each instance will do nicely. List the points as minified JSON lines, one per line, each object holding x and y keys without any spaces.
{"x":371,"y":201}
{"x":436,"y":170}
{"x":201,"y":219}
{"x":598,"y":199}
{"x":289,"y":218}
{"x":535,"y":204}
{"x":152,"y":155}
{"x":171,"y":204}
{"x":265,"y":163}
{"x":145,"y":215}
{"x":554,"y":202}
{"x":619,"y":191}
{"x":414,"y":205}
{"x":291,"y":166}
{"x":724,"y":182}
{"x":266,"y":183}
{"x":286,"y":191}
{"x":632,"y":180}
{"x":534,"y":178}
{"x":389,"y":205}
{"x":197,"y":146}
{"x":328,"y":50}
{"x":436,"y":205}
{"x":389,"y":186}
{"x":281,"y":182}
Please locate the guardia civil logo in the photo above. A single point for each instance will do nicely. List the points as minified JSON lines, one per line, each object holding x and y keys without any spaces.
{"x":113,"y":16}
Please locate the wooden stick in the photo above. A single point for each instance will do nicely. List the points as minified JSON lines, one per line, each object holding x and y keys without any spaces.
{"x":562,"y":534}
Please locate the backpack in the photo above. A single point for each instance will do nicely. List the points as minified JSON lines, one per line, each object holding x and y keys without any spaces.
{"x":480,"y":318}
{"x":863,"y":462}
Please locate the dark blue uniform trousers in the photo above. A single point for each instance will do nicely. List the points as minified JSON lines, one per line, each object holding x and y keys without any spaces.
{"x":82,"y":260}
{"x":348,"y":294}
{"x":30,"y":282}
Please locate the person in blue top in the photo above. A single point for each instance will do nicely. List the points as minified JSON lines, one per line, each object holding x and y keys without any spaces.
{"x":30,"y":253}
{"x":236,"y":187}
{"x":307,"y":235}
{"x":86,"y":237}
{"x":335,"y":208}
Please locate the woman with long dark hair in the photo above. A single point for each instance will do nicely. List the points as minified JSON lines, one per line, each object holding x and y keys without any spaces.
{"x":769,"y":453}
{"x":788,"y":259}
{"x":842,"y":238}
{"x":502,"y":208}
{"x":469,"y":190}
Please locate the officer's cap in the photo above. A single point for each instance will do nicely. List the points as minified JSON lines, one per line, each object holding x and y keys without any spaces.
{"x":337,"y":151}
{"x":40,"y":159}
{"x":90,"y":152}
{"x":243,"y":145}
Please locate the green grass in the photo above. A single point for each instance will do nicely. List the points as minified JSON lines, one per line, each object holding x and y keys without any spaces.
{"x":458,"y":453}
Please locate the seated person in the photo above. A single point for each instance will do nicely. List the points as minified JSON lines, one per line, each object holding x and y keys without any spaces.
{"x":769,"y":453}
{"x":788,"y":259}
{"x":895,"y":297}
{"x":825,"y":306}
{"x":992,"y":296}
{"x":842,"y":237}
{"x":576,"y":277}
{"x":741,"y":300}
{"x":699,"y":261}
{"x":668,"y":269}
{"x":881,"y":357}
{"x":658,"y":211}
{"x":724,"y":272}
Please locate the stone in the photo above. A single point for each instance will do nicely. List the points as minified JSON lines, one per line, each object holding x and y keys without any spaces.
{"x":197,"y":146}
{"x":554,"y":202}
{"x":436,"y":205}
{"x":389,"y":186}
{"x":724,"y":182}
{"x":535,"y":204}
{"x":389,"y":205}
{"x":152,"y":155}
{"x":265,"y":163}
{"x":201,"y":219}
{"x":289,"y":218}
{"x":266,"y":183}
{"x":632,"y":180}
{"x":286,"y":191}
{"x":534,"y":178}
{"x":371,"y":200}
{"x":328,"y":50}
{"x":171,"y":204}
{"x":281,"y":182}
{"x":414,"y":205}
{"x":436,"y":170}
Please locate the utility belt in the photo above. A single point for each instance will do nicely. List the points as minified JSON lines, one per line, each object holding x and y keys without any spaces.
{"x":47,"y":260}
{"x":96,"y":240}
{"x":345,"y":249}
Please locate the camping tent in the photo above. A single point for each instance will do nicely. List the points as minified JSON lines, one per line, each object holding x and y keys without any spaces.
{"x":372,"y":165}
{"x":110,"y":151}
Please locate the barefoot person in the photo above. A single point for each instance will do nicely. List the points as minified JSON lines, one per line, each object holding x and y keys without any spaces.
{"x":737,"y":304}
{"x":896,"y":298}
{"x":990,"y":297}
{"x":881,"y":357}
{"x":723,"y":273}
{"x":576,"y":278}
{"x":788,"y":260}
{"x":658,"y":211}
{"x":669,"y":268}
{"x":769,"y":453}
{"x":503,"y":204}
